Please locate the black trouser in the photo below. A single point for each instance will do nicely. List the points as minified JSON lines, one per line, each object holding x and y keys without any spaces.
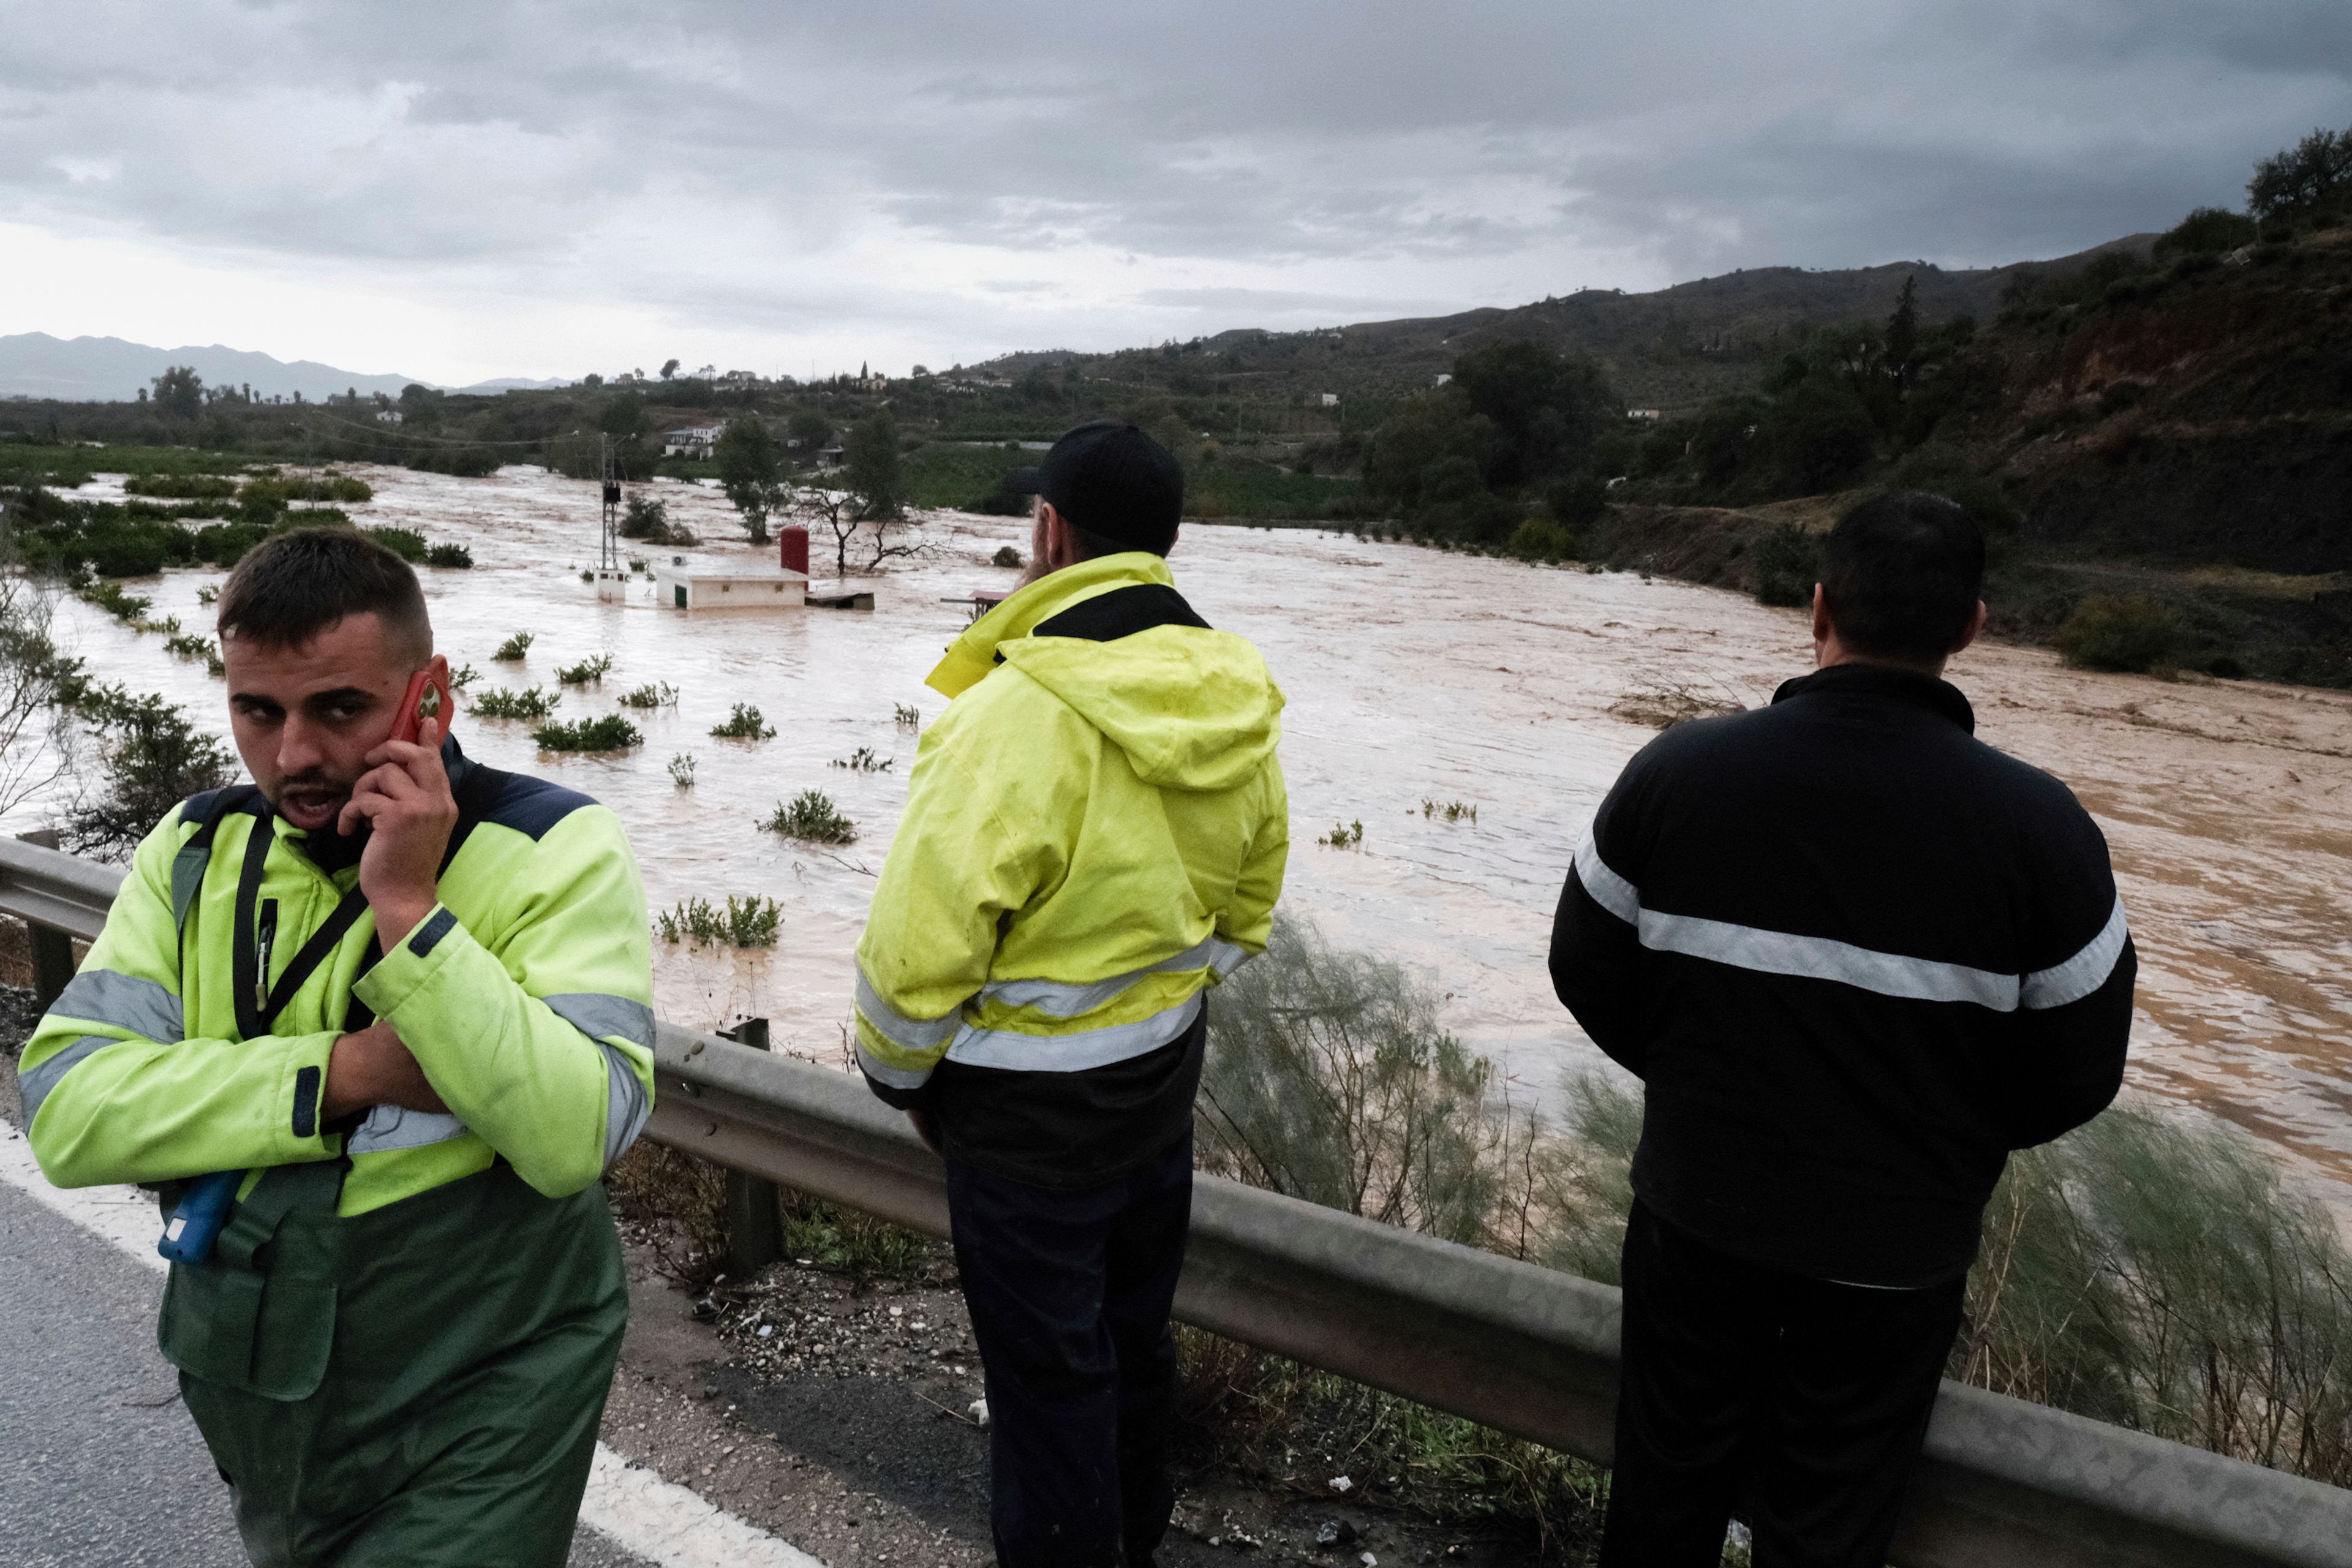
{"x":1069,"y":1294}
{"x":1803,"y":1400}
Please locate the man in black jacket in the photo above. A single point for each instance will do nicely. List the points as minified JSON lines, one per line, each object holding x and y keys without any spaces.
{"x":1856,"y":956}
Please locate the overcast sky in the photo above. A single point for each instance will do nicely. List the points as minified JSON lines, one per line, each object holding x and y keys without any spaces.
{"x":465,"y":190}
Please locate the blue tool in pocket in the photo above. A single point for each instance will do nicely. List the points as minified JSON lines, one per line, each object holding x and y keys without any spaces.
{"x":195,"y":1224}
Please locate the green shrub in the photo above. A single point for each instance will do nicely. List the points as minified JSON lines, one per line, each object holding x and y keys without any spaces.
{"x":681,"y":769}
{"x":744,"y":724}
{"x":406,"y":543}
{"x":454,"y":556}
{"x":2206,"y":231}
{"x":109,"y":597}
{"x":516,"y":648}
{"x":151,"y":756}
{"x":122,"y":551}
{"x":498,"y":702}
{"x":664,"y":695}
{"x":1537,"y":539}
{"x":183,"y":487}
{"x":863,"y":760}
{"x":1787,"y":563}
{"x":2129,"y":632}
{"x":610,"y":734}
{"x":595,"y":667}
{"x":744,"y":922}
{"x":225,"y":544}
{"x":812,"y":817}
{"x":1006,"y":555}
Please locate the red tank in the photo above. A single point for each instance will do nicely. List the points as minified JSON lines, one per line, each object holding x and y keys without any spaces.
{"x":791,"y":548}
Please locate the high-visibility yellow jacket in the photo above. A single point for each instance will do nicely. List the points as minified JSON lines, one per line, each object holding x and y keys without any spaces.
{"x":526,"y":996}
{"x":1094,"y":833}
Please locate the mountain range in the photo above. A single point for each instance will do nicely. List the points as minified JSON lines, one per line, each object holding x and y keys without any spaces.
{"x":111,"y":370}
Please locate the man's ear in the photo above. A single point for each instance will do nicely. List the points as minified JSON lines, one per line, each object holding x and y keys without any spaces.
{"x":1976,"y":630}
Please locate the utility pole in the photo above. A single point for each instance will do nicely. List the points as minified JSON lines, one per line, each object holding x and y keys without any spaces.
{"x":609,"y":559}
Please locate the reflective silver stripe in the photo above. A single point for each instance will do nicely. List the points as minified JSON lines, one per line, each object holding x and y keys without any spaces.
{"x":1073,"y":1053}
{"x":883,"y":1073}
{"x":1610,"y":890}
{"x":624,"y":1106}
{"x":33,"y":1084}
{"x":388,"y":1126}
{"x":1057,"y":999}
{"x":599,"y":1016}
{"x":1819,"y":958}
{"x":121,"y":1001}
{"x":909,"y":1034}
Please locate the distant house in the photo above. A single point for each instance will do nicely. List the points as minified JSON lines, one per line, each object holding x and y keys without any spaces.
{"x":387,"y":415}
{"x":1641,"y":413}
{"x":736,"y":379}
{"x":1443,"y":377}
{"x":1331,"y":400}
{"x":696,"y":442}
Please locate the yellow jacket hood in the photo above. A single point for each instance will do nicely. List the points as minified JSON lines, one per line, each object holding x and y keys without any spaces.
{"x":1192,"y":708}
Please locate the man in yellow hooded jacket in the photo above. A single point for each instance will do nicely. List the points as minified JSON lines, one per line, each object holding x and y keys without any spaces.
{"x":1094,"y":837}
{"x":400,"y":1005}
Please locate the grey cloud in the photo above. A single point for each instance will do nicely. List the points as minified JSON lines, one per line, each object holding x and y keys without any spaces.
{"x":529,"y":149}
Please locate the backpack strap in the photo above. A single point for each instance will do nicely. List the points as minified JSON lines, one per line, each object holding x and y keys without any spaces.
{"x":189,"y":865}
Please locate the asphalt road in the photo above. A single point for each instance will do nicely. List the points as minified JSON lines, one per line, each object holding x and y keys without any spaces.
{"x":100,"y":1466}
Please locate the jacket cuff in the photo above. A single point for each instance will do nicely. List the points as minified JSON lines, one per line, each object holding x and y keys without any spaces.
{"x":298,"y":1122}
{"x":430,"y":947}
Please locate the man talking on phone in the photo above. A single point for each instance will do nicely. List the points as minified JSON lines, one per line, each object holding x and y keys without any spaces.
{"x":399,"y":1005}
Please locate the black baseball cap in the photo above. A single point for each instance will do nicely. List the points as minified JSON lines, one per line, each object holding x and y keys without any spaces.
{"x":1116,"y":483}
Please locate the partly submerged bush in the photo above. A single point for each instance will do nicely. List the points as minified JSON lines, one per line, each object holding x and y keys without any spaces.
{"x":498,"y":702}
{"x":454,"y":556}
{"x":2129,"y":632}
{"x":595,"y":667}
{"x":610,"y":734}
{"x":405,"y":542}
{"x":743,"y":922}
{"x":745,"y":725}
{"x":811,"y":816}
{"x":517,"y":647}
{"x":1537,"y":539}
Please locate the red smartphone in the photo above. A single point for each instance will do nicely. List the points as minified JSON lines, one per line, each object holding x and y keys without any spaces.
{"x":426,"y":699}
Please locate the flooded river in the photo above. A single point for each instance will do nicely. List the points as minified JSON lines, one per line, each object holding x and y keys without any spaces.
{"x":1412,"y":675}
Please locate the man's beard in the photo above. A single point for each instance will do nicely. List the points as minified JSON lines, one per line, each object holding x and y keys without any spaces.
{"x":310,"y":793}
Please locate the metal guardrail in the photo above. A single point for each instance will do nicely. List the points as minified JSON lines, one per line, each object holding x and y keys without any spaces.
{"x":1524,"y":1350}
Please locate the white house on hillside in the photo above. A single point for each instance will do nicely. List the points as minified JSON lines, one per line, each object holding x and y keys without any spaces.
{"x":696,"y":442}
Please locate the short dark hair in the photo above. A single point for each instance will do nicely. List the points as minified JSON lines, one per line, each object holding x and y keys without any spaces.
{"x":290,"y":587}
{"x":1902,"y":574}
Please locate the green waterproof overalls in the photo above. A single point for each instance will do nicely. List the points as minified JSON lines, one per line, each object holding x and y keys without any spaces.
{"x":419,"y":1384}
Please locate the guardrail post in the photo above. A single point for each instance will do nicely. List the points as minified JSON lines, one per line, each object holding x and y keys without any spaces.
{"x":53,"y":964}
{"x":755,"y":1228}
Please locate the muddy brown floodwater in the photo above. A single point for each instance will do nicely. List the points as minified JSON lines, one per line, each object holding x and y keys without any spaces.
{"x":1412,"y":675}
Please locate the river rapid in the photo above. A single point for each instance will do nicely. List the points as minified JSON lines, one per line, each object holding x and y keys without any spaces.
{"x":1412,"y":675}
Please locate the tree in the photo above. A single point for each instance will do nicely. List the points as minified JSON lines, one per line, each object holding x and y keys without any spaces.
{"x":37,"y":683}
{"x":1547,"y":407}
{"x":181,"y":391}
{"x":670,"y":369}
{"x":2302,"y":178}
{"x":1903,"y":334}
{"x":876,"y":476}
{"x":152,"y":757}
{"x":748,"y":470}
{"x":809,"y":429}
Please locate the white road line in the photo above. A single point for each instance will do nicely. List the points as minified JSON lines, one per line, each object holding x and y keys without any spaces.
{"x":633,"y":1506}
